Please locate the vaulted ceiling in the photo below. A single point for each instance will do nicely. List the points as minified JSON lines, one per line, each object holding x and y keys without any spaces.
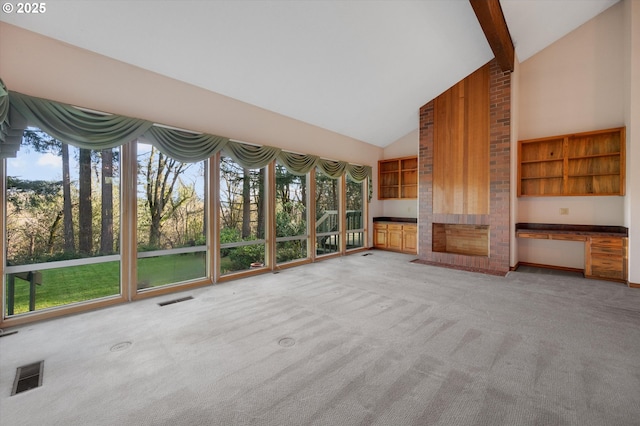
{"x":358,"y":68}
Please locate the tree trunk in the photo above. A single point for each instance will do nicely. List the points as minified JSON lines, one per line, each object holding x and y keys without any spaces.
{"x":69,"y":239}
{"x":85,"y":215}
{"x":246,"y":203}
{"x":260,"y":202}
{"x":106,"y":230}
{"x":52,"y":232}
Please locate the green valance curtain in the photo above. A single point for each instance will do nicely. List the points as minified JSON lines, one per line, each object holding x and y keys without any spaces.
{"x":101,"y":131}
{"x":4,"y":120}
{"x":333,"y":169}
{"x":298,"y":164}
{"x":251,"y":156}
{"x":184,"y":146}
{"x":76,"y":127}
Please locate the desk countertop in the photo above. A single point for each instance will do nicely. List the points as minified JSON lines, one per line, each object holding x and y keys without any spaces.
{"x":554,"y":228}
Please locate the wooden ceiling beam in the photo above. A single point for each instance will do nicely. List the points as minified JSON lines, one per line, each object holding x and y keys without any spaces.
{"x":491,"y":18}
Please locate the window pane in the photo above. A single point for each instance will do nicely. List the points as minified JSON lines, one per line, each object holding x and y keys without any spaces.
{"x":291,"y":216}
{"x":171,"y":224}
{"x":355,"y":219}
{"x":242,"y":217}
{"x":63,"y":224}
{"x":327,"y":217}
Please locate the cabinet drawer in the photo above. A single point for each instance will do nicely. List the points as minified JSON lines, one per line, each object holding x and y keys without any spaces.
{"x":607,"y":266}
{"x":606,"y":250}
{"x":380,"y":225}
{"x":568,"y":237}
{"x":410,"y":228}
{"x":606,"y":242}
{"x":533,"y":235}
{"x":394,"y":227}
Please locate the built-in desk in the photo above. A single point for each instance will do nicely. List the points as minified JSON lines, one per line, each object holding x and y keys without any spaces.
{"x":605,"y":251}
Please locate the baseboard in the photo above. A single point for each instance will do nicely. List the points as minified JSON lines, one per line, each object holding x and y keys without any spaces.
{"x":558,"y":268}
{"x":633,"y":285}
{"x":461,"y":268}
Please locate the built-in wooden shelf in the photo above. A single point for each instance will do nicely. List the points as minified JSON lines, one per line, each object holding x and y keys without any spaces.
{"x":589,"y":163}
{"x":398,"y":178}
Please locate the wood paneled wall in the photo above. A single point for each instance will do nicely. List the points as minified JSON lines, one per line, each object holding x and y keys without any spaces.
{"x":461,"y":147}
{"x":464,"y":173}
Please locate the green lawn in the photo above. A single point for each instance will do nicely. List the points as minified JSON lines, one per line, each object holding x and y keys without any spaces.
{"x":82,"y":283}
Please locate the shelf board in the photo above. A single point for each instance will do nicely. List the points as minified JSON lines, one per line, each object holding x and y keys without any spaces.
{"x":541,"y":161}
{"x":584,"y":157}
{"x":593,"y":174}
{"x":541,"y":177}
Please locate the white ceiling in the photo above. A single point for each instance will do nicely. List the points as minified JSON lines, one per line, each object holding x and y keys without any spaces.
{"x":359,"y":68}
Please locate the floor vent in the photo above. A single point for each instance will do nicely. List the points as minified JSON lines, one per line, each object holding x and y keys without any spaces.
{"x":171,"y":302}
{"x":28,"y":377}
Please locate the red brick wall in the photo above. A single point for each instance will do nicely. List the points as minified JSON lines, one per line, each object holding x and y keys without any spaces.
{"x":499,"y":163}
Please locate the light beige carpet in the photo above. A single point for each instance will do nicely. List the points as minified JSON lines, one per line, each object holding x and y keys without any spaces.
{"x":358,"y":340}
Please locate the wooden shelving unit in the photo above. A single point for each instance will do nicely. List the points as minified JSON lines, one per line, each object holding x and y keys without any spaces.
{"x":590,"y":163}
{"x":398,"y":178}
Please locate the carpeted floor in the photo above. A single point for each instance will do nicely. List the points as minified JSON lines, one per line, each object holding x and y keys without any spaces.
{"x":358,"y":340}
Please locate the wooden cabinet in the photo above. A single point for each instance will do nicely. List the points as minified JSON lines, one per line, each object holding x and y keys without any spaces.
{"x":606,"y":257}
{"x":380,"y":235}
{"x":398,"y":178}
{"x":410,"y":239}
{"x":395,"y":237}
{"x":590,"y":163}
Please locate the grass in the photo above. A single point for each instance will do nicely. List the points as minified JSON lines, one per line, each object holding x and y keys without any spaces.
{"x":63,"y":286}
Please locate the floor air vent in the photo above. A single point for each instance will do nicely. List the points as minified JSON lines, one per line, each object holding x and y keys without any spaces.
{"x":28,"y":377}
{"x":171,"y":302}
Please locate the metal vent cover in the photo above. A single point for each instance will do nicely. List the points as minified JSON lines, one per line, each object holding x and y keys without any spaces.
{"x":171,"y":302}
{"x":28,"y":377}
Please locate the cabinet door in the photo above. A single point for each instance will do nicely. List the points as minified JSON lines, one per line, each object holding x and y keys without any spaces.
{"x":395,"y":237}
{"x":409,"y":239}
{"x":380,"y":236}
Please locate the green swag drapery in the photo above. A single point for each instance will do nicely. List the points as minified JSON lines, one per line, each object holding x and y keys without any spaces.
{"x":101,"y":131}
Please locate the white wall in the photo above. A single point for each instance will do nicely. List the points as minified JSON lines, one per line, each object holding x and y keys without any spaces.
{"x":632,"y":120}
{"x":406,"y":146}
{"x":574,"y":85}
{"x":39,"y":66}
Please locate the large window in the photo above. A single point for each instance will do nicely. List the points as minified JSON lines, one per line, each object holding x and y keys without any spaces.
{"x":242,"y":217}
{"x":62,"y":224}
{"x":355,"y":213}
{"x":291,"y":216}
{"x":327,"y":214}
{"x":171,"y":223}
